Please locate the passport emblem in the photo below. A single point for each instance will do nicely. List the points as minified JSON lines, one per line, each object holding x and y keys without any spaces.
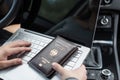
{"x":53,"y":52}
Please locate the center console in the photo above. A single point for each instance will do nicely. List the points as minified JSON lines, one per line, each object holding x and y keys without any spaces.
{"x":105,"y":44}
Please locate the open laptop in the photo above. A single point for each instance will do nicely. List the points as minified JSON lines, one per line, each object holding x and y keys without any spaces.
{"x":39,"y":41}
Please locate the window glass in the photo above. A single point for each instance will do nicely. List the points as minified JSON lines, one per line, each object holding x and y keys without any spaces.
{"x":55,"y":10}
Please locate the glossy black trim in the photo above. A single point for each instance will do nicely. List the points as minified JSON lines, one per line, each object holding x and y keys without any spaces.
{"x":115,"y":44}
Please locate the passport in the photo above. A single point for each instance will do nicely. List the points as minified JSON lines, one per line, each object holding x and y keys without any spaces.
{"x":59,"y":50}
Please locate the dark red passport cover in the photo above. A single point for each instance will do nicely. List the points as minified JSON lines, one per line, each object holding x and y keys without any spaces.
{"x":59,"y":50}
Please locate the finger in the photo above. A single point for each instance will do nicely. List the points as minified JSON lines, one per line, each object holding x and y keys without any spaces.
{"x":82,"y":68}
{"x":18,"y":50}
{"x":19,"y":43}
{"x":8,"y":63}
{"x":58,"y":68}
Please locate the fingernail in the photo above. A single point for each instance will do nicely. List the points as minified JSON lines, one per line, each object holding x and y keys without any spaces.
{"x":29,"y":48}
{"x":54,"y":63}
{"x":19,"y":61}
{"x":29,"y":42}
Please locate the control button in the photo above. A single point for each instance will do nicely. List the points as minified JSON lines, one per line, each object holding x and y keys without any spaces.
{"x":106,"y":74}
{"x":104,"y":21}
{"x":107,"y":1}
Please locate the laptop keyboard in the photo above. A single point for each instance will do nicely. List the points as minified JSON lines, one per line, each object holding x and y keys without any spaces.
{"x":39,"y":44}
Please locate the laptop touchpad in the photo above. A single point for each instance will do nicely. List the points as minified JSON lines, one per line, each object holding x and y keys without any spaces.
{"x":23,"y":72}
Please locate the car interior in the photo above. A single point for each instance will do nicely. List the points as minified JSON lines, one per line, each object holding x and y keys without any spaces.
{"x":45,"y":16}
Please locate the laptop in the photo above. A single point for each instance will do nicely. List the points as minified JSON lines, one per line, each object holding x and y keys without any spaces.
{"x":39,"y":41}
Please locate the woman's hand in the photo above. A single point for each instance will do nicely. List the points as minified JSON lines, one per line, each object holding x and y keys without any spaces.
{"x":16,"y":47}
{"x":79,"y":73}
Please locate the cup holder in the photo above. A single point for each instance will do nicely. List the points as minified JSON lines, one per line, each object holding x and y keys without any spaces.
{"x":94,"y":59}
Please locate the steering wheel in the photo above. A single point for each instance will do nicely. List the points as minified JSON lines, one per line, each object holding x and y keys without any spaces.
{"x":8,"y":11}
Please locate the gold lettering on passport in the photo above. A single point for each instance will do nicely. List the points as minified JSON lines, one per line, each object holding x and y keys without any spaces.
{"x":59,"y":46}
{"x":44,"y":60}
{"x":53,"y":52}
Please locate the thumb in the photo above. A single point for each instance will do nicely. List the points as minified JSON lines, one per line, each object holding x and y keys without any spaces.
{"x":8,"y":63}
{"x":57,"y":67}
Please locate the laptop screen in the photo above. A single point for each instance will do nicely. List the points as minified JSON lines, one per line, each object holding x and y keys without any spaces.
{"x":89,"y":16}
{"x":81,"y":28}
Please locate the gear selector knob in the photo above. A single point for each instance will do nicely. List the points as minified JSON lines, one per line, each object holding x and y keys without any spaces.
{"x":106,"y":74}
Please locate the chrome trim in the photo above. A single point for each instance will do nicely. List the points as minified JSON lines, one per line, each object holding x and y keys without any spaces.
{"x":103,"y":42}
